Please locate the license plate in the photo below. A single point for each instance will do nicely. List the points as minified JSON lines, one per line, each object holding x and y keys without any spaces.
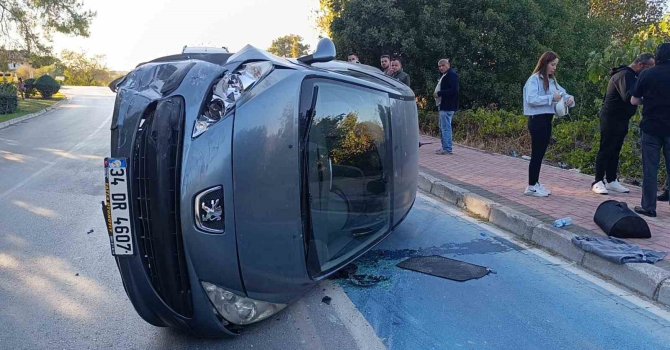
{"x":118,"y":206}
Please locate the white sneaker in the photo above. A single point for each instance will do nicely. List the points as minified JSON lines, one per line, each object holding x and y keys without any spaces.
{"x":599,"y":188}
{"x":535,"y":191}
{"x":616,"y":186}
{"x":546,"y":190}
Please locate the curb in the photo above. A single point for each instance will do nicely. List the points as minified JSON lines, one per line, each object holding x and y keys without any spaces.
{"x":646,"y":279}
{"x":31,"y":115}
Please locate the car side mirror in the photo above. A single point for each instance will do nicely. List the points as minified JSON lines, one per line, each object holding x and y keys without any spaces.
{"x":325,"y":51}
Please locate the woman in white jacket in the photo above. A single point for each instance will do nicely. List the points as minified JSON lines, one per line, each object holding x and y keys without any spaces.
{"x":540,"y":95}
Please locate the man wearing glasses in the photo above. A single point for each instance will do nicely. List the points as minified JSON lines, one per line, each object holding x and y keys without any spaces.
{"x":446,"y":98}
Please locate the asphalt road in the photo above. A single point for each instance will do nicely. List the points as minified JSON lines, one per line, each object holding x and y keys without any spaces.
{"x":59,"y":286}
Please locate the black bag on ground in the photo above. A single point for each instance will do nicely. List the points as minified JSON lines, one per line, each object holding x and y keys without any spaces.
{"x":617,"y":220}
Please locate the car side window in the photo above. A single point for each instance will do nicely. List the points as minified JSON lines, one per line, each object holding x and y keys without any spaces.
{"x":348,"y":167}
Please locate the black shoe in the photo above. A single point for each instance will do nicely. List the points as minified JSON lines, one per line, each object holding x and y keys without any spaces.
{"x":663,"y":197}
{"x":649,"y":213}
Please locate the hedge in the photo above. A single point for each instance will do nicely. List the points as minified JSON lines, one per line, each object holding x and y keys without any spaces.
{"x":9,"y":101}
{"x":574,"y":143}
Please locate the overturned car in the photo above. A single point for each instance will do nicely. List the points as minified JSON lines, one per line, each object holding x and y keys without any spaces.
{"x":238,"y":181}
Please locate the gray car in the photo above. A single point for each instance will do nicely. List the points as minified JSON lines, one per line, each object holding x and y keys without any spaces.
{"x":236,"y":182}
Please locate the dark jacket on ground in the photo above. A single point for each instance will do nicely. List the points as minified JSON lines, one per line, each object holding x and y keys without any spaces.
{"x":402,"y":76}
{"x":617,"y":106}
{"x":449,"y":88}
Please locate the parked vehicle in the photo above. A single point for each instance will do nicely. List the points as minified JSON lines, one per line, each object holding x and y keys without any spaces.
{"x":236,"y":182}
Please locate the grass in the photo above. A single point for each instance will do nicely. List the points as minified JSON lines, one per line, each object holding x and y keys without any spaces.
{"x":31,"y":105}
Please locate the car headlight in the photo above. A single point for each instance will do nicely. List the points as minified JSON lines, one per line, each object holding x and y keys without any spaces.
{"x":227,"y":91}
{"x":237,"y":309}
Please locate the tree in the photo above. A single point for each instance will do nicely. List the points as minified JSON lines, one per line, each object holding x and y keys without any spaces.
{"x":493,"y":44}
{"x":80,"y":69}
{"x":28,"y":24}
{"x":623,"y":52}
{"x":628,"y":16}
{"x":289,"y":46}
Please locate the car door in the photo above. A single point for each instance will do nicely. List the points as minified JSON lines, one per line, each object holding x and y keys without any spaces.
{"x":347,"y":164}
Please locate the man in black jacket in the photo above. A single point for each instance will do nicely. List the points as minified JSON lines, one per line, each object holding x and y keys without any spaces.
{"x":653,"y":91}
{"x":614,"y":118}
{"x":446,"y":98}
{"x":397,"y":72}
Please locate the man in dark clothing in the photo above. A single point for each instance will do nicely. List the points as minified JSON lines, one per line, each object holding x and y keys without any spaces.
{"x":446,"y":97}
{"x":385,"y":62}
{"x":396,"y":71}
{"x":653,"y":90}
{"x":614,"y":118}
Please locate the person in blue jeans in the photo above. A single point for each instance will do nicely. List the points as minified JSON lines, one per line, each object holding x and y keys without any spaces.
{"x":652,"y":91}
{"x":446,"y":98}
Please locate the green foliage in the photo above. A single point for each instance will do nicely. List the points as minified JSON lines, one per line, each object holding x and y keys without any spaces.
{"x":574,"y":143}
{"x":37,"y":61}
{"x":494,"y":45}
{"x":30,"y":87}
{"x":8,"y":98}
{"x":47,"y":86}
{"x":31,"y":22}
{"x":82,"y":70}
{"x":628,"y":16}
{"x":623,"y":52}
{"x":498,"y":130}
{"x":289,"y":46}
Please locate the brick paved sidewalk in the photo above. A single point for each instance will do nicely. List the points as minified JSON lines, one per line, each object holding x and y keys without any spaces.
{"x":503,"y":180}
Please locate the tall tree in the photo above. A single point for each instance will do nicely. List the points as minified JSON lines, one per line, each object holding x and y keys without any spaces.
{"x":623,"y":52}
{"x":493,"y":44}
{"x":289,"y":46}
{"x":80,"y":69}
{"x":628,"y":16}
{"x":29,"y":24}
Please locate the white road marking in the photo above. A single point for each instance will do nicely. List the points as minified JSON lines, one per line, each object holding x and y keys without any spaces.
{"x":359,"y":328}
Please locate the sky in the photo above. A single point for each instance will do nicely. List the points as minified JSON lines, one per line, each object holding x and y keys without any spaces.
{"x":130,"y":32}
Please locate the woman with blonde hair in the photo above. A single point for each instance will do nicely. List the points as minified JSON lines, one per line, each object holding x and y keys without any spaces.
{"x":540,"y":96}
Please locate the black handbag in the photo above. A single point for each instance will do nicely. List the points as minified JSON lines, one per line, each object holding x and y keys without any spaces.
{"x":617,"y":220}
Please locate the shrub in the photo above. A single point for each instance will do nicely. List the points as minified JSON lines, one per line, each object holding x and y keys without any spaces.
{"x":30,"y":87}
{"x":574,"y":143}
{"x":490,"y":129}
{"x":47,"y":86}
{"x":8,"y":98}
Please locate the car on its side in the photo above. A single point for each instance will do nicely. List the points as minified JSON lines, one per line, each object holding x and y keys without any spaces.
{"x":236,"y":182}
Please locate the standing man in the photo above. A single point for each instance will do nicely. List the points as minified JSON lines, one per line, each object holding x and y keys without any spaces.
{"x":385,"y":62}
{"x":614,"y":118}
{"x":353,"y":58}
{"x":396,"y":71}
{"x":653,"y":90}
{"x":446,"y":97}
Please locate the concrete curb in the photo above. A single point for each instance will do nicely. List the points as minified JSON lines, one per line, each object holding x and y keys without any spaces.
{"x":31,"y":115}
{"x":646,"y":279}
